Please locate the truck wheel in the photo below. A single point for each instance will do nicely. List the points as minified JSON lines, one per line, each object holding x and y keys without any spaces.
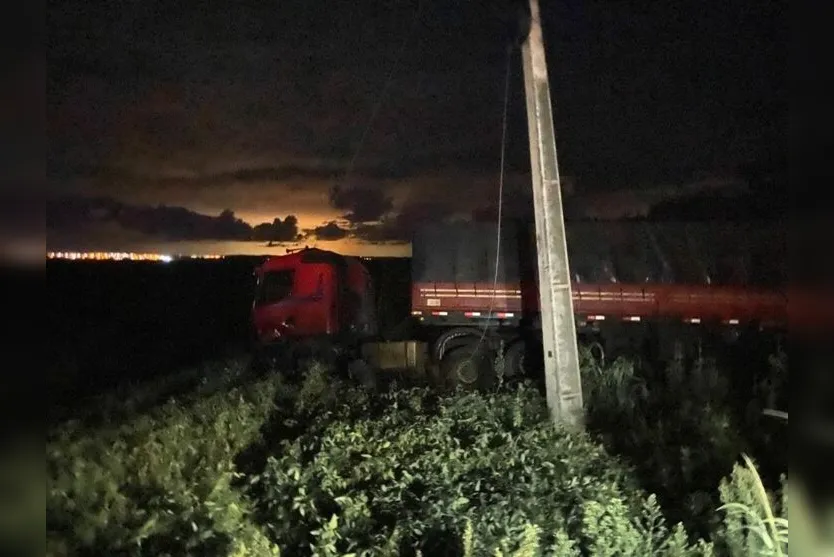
{"x":514,"y":359}
{"x":453,"y":338}
{"x":468,"y":367}
{"x":597,"y":352}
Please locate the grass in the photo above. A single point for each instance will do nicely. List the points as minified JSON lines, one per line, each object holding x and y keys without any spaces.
{"x":751,"y":523}
{"x":681,"y":426}
{"x":242,"y":465}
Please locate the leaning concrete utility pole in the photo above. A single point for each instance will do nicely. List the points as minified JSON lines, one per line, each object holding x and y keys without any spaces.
{"x":561,"y":355}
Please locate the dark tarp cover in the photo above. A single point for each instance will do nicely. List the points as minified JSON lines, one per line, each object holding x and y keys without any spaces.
{"x":608,"y":252}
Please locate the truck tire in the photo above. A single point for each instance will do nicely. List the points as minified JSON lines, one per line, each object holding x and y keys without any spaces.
{"x":514,"y":359}
{"x":454,"y":338}
{"x":597,"y":351}
{"x":468,"y":367}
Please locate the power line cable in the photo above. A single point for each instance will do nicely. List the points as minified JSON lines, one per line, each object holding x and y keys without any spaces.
{"x":381,"y":98}
{"x":504,"y":118}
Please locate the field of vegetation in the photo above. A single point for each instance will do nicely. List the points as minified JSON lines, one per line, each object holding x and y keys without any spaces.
{"x":222,"y":461}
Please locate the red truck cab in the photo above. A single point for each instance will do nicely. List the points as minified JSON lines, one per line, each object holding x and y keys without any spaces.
{"x":312,"y":293}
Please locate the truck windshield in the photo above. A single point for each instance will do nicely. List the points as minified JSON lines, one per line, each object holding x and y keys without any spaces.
{"x":275,"y":286}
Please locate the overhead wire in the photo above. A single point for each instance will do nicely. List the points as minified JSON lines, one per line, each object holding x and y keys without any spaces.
{"x":381,"y":97}
{"x":502,"y":170}
{"x":500,"y":204}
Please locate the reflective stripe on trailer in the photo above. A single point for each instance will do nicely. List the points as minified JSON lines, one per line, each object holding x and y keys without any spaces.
{"x":496,"y":315}
{"x":451,"y":313}
{"x":587,"y":318}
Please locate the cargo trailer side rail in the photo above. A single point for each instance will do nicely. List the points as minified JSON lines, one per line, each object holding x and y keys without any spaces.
{"x":443,"y":303}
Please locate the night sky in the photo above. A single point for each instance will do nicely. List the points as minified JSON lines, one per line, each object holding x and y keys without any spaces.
{"x":224,"y":127}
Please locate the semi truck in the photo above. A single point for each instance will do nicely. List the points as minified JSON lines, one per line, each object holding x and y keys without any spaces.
{"x":652,"y":290}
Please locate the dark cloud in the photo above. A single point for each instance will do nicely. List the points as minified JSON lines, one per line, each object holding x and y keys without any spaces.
{"x":400,"y":228}
{"x":329,"y":232}
{"x":260,"y":111}
{"x":169,"y":223}
{"x":179,"y":223}
{"x":254,"y":175}
{"x":518,"y":204}
{"x":317,"y":170}
{"x":729,"y":206}
{"x":515,"y":206}
{"x":363,"y":204}
{"x":278,"y":230}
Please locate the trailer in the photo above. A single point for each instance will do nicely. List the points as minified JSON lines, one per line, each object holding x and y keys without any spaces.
{"x":642,"y":289}
{"x":637,"y":286}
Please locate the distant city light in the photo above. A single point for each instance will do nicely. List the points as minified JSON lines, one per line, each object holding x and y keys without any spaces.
{"x":122,"y":256}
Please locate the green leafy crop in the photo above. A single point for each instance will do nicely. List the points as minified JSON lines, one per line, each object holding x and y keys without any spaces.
{"x":260,"y":467}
